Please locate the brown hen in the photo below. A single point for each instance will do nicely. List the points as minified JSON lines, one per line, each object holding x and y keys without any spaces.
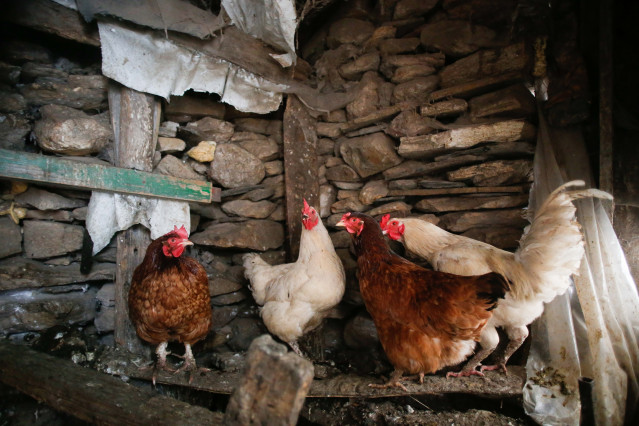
{"x":169,"y":299}
{"x":426,"y":320}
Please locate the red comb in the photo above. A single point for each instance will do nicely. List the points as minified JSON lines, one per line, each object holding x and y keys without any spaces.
{"x":384,"y":221}
{"x":181,"y":231}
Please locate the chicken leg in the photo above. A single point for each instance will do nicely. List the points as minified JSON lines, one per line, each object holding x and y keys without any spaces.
{"x":516,"y":337}
{"x":160,"y":364}
{"x":395,"y":381}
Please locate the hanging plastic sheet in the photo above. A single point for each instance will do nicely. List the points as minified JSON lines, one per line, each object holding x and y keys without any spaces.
{"x":592,"y":330}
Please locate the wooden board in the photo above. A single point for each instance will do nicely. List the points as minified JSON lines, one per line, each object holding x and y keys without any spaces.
{"x":300,"y":166}
{"x":494,"y":385}
{"x":91,"y":396}
{"x":464,"y":190}
{"x":48,"y":169}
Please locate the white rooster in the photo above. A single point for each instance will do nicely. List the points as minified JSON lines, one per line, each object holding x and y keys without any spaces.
{"x":295,"y":297}
{"x":549,"y":252}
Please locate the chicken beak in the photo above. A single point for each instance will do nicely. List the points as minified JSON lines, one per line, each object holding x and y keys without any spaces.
{"x":341,"y":223}
{"x":186,"y":243}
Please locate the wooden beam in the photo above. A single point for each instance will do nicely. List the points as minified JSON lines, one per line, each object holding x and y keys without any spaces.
{"x":464,"y":190}
{"x":300,"y":166}
{"x":606,"y":95}
{"x":48,"y":169}
{"x":90,"y":396}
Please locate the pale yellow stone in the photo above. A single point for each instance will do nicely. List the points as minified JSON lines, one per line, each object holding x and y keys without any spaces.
{"x":204,"y":152}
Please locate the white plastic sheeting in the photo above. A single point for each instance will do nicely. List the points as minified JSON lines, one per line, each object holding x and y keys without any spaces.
{"x":146,"y":62}
{"x":109,"y":213}
{"x":273,"y":21}
{"x":592,"y":330}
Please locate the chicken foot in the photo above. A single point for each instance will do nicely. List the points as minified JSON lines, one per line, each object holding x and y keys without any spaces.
{"x":516,"y":336}
{"x":160,"y":364}
{"x":189,"y":365}
{"x":296,"y":348}
{"x":395,"y":381}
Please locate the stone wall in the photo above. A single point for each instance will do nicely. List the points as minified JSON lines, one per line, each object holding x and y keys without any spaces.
{"x":442,"y":128}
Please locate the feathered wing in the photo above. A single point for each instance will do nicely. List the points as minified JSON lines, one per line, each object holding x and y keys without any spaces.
{"x":552,"y":246}
{"x":261,"y":274}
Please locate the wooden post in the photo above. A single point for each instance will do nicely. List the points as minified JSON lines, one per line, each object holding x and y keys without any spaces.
{"x":606,"y":124}
{"x":273,"y":387}
{"x":300,"y":166}
{"x":136,"y":120}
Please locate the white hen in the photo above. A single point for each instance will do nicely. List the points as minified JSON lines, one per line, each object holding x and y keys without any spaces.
{"x":549,"y":252}
{"x":295,"y":297}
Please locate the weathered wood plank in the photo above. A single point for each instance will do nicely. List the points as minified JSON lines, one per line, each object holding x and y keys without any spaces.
{"x":515,"y":101}
{"x":495,"y":385}
{"x":476,"y":87}
{"x":91,"y":396}
{"x":464,"y":190}
{"x":431,"y":144}
{"x":26,"y":273}
{"x":50,"y":17}
{"x":272,"y":388}
{"x":48,"y":169}
{"x":444,"y":108}
{"x":300,"y":166}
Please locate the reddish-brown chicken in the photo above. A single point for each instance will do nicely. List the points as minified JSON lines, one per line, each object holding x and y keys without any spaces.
{"x":426,"y":320}
{"x":169,"y":298}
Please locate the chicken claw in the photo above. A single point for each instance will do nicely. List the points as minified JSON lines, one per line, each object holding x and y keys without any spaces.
{"x":465,"y":373}
{"x":393,"y":382}
{"x":500,"y":366}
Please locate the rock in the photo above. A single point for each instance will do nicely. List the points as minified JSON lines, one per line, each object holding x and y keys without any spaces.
{"x":331,"y":130}
{"x":335,"y":116}
{"x":273,"y":168}
{"x":348,"y":205}
{"x":449,"y":204}
{"x":347,"y":193}
{"x":9,"y":74}
{"x":219,"y":285}
{"x":394,"y":46}
{"x":456,"y":38}
{"x":402,"y":184}
{"x":253,"y":234}
{"x":342,"y":173}
{"x":170,"y":145}
{"x":439,"y":183}
{"x":353,"y":70}
{"x":411,"y":72}
{"x":412,"y":8}
{"x":57,"y":215}
{"x":173,"y":166}
{"x":245,"y":208}
{"x":12,"y":237}
{"x":204,"y":152}
{"x":260,"y":125}
{"x":222,"y":315}
{"x":341,"y":239}
{"x":327,"y":146}
{"x":501,"y":237}
{"x":348,"y":185}
{"x":393,"y":208}
{"x":409,"y":123}
{"x":229,"y":362}
{"x":12,"y":102}
{"x":327,"y":198}
{"x":208,"y":129}
{"x":68,"y":131}
{"x":370,"y":96}
{"x":373,"y":190}
{"x":45,"y":200}
{"x":85,"y":92}
{"x":234,"y":167}
{"x":230,"y":298}
{"x":360,"y":332}
{"x":494,"y":173}
{"x":349,"y":31}
{"x":259,"y":194}
{"x":333,"y":162}
{"x":265,"y":149}
{"x":168,"y":129}
{"x":47,"y":239}
{"x":279,"y":214}
{"x":13,"y":131}
{"x":244,"y":331}
{"x":369,"y":154}
{"x":30,"y":310}
{"x":463,"y":221}
{"x":416,"y":89}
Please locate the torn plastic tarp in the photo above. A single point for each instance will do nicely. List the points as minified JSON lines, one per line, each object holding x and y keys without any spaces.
{"x":109,"y":213}
{"x":592,"y":330}
{"x":273,"y":21}
{"x":172,"y":15}
{"x":142,"y":61}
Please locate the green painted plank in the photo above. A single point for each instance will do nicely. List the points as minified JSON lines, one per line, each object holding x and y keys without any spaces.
{"x":58,"y":171}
